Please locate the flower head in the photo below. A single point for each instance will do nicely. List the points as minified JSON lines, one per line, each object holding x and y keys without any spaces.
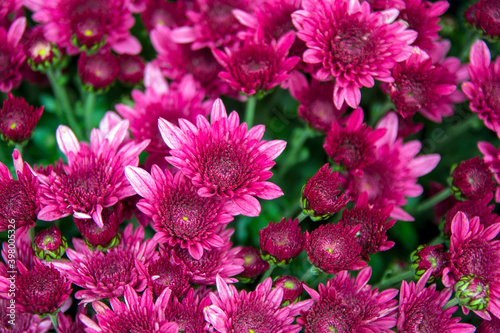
{"x":98,"y":71}
{"x":94,"y":177}
{"x":431,"y":258}
{"x":19,"y":202}
{"x":472,"y":179}
{"x":131,"y":68}
{"x":163,"y":273}
{"x":105,"y":236}
{"x":473,"y":266}
{"x":492,"y":159}
{"x":482,"y":16}
{"x":137,"y":314}
{"x":49,"y":244}
{"x":483,"y":89}
{"x":40,"y":53}
{"x":188,"y":312}
{"x":489,"y":326}
{"x":41,"y":290}
{"x":292,"y":288}
{"x":352,"y":44}
{"x":25,"y":322}
{"x":181,"y":100}
{"x":82,"y":25}
{"x":281,"y":242}
{"x":422,"y":309}
{"x":333,"y":248}
{"x":164,"y":13}
{"x":12,"y":55}
{"x":256,"y":65}
{"x":257,"y":311}
{"x":223,"y":159}
{"x":352,"y":146}
{"x":349,"y":305}
{"x":18,"y":119}
{"x":253,"y":263}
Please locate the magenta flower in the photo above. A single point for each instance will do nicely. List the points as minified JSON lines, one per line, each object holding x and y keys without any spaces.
{"x":482,"y":90}
{"x":316,"y":105}
{"x":98,"y":71}
{"x":40,"y":53}
{"x":18,"y":119}
{"x":94,"y":177}
{"x":253,"y":263}
{"x":423,"y":17}
{"x":292,"y":288}
{"x":163,"y":13}
{"x":422,"y":85}
{"x":492,"y":159}
{"x":188,"y":312}
{"x":421,"y":309}
{"x":164,"y":273}
{"x":393,"y":175}
{"x":374,"y":223}
{"x":282,"y":242}
{"x":352,"y":146}
{"x":131,"y":68}
{"x":349,"y":305}
{"x":472,"y":179}
{"x":212,"y":23}
{"x":137,"y":314}
{"x":255,"y":311}
{"x":489,"y":326}
{"x":255,"y":65}
{"x":65,"y":323}
{"x":179,"y":215}
{"x":182,"y":100}
{"x":12,"y":55}
{"x":333,"y":248}
{"x":49,"y":244}
{"x":106,"y":275}
{"x":102,"y":237}
{"x":482,"y":15}
{"x":10,"y":9}
{"x":431,"y":258}
{"x":80,"y":25}
{"x":20,"y":201}
{"x":223,"y":159}
{"x":222,"y":261}
{"x":386,"y":4}
{"x":352,"y":44}
{"x":476,"y":282}
{"x":25,"y":322}
{"x":41,"y":290}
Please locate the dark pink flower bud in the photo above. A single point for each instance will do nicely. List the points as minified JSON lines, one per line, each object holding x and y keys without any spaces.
{"x":484,"y":16}
{"x":40,"y":53}
{"x":254,"y":265}
{"x":426,"y":258}
{"x":131,"y":68}
{"x":50,"y":244}
{"x":18,"y":119}
{"x":321,"y":195}
{"x":89,"y":29}
{"x":281,"y":242}
{"x":98,"y":71}
{"x":163,"y":273}
{"x":472,"y":179}
{"x":292,"y":288}
{"x":102,"y":237}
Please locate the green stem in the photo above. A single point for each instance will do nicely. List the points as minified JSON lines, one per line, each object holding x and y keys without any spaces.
{"x":312,"y":271}
{"x":63,"y":100}
{"x":301,"y":217}
{"x":250,"y":110}
{"x":31,"y":234}
{"x":451,"y":302}
{"x":89,"y":110}
{"x":395,"y":279}
{"x":295,"y":149}
{"x":267,"y":273}
{"x":20,"y":148}
{"x":53,"y":319}
{"x":433,"y":201}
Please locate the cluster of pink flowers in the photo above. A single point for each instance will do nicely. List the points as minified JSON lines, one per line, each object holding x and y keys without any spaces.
{"x":172,"y":158}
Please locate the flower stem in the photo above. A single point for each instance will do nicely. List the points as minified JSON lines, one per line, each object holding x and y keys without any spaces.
{"x":250,"y":110}
{"x":267,"y":273}
{"x":395,"y":279}
{"x":63,"y":100}
{"x":89,"y":110}
{"x":451,"y":302}
{"x":312,"y":271}
{"x":301,"y":217}
{"x":53,"y":319}
{"x":433,"y":201}
{"x":297,"y":142}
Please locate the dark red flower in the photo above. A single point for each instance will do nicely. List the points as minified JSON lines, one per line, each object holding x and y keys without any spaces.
{"x":102,"y":237}
{"x":131,"y":68}
{"x":484,"y":16}
{"x":164,"y":273}
{"x":49,"y":244}
{"x":472,"y":179}
{"x":292,"y":288}
{"x":432,"y":258}
{"x":281,"y":242}
{"x":18,"y":119}
{"x":253,"y":263}
{"x":98,"y":71}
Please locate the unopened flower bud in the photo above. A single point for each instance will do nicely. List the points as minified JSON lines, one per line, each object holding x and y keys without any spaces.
{"x":282,"y":242}
{"x":49,"y":244}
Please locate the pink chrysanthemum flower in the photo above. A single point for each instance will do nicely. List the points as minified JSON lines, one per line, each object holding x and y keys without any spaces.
{"x":422,"y":309}
{"x":421,"y":85}
{"x":41,"y":290}
{"x":473,"y":268}
{"x":353,"y":44}
{"x":105,"y":275}
{"x":489,"y":326}
{"x":333,"y":248}
{"x":352,"y":146}
{"x":223,"y":261}
{"x":80,"y":24}
{"x":374,"y":224}
{"x":11,"y":54}
{"x":223,"y":159}
{"x":137,"y":314}
{"x":165,"y":13}
{"x":40,"y":53}
{"x":255,"y":65}
{"x":483,"y":15}
{"x":188,"y":313}
{"x":321,"y":194}
{"x":316,"y":106}
{"x":472,"y":179}
{"x":432,"y":258}
{"x":19,"y":202}
{"x":257,"y":311}
{"x":94,"y":177}
{"x":423,"y":17}
{"x":97,"y":237}
{"x":98,"y":71}
{"x":483,"y":89}
{"x":179,"y":215}
{"x":178,"y":60}
{"x":212,"y":23}
{"x":292,"y":288}
{"x":253,"y":263}
{"x":349,"y":305}
{"x":18,"y":119}
{"x":282,"y":242}
{"x":386,"y":4}
{"x":182,"y":100}
{"x":131,"y":68}
{"x":24,"y":322}
{"x":393,"y":175}
{"x":492,"y":159}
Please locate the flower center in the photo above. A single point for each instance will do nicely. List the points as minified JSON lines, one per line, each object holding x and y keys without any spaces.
{"x":17,"y":202}
{"x":113,"y":268}
{"x":89,"y":28}
{"x":351,"y":44}
{"x":250,"y":318}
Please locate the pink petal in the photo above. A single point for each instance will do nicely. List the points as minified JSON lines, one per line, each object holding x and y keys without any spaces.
{"x":218,"y":111}
{"x":183,"y":35}
{"x":171,"y":134}
{"x":142,"y":182}
{"x":129,"y":45}
{"x":247,"y":205}
{"x":154,"y":79}
{"x":66,"y":140}
{"x":16,"y":31}
{"x":246,"y":19}
{"x":480,"y":55}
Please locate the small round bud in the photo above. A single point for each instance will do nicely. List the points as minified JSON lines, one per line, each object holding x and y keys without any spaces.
{"x":292,"y":288}
{"x":282,"y":242}
{"x":253,"y":264}
{"x":49,"y":244}
{"x":429,"y":257}
{"x":472,"y":292}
